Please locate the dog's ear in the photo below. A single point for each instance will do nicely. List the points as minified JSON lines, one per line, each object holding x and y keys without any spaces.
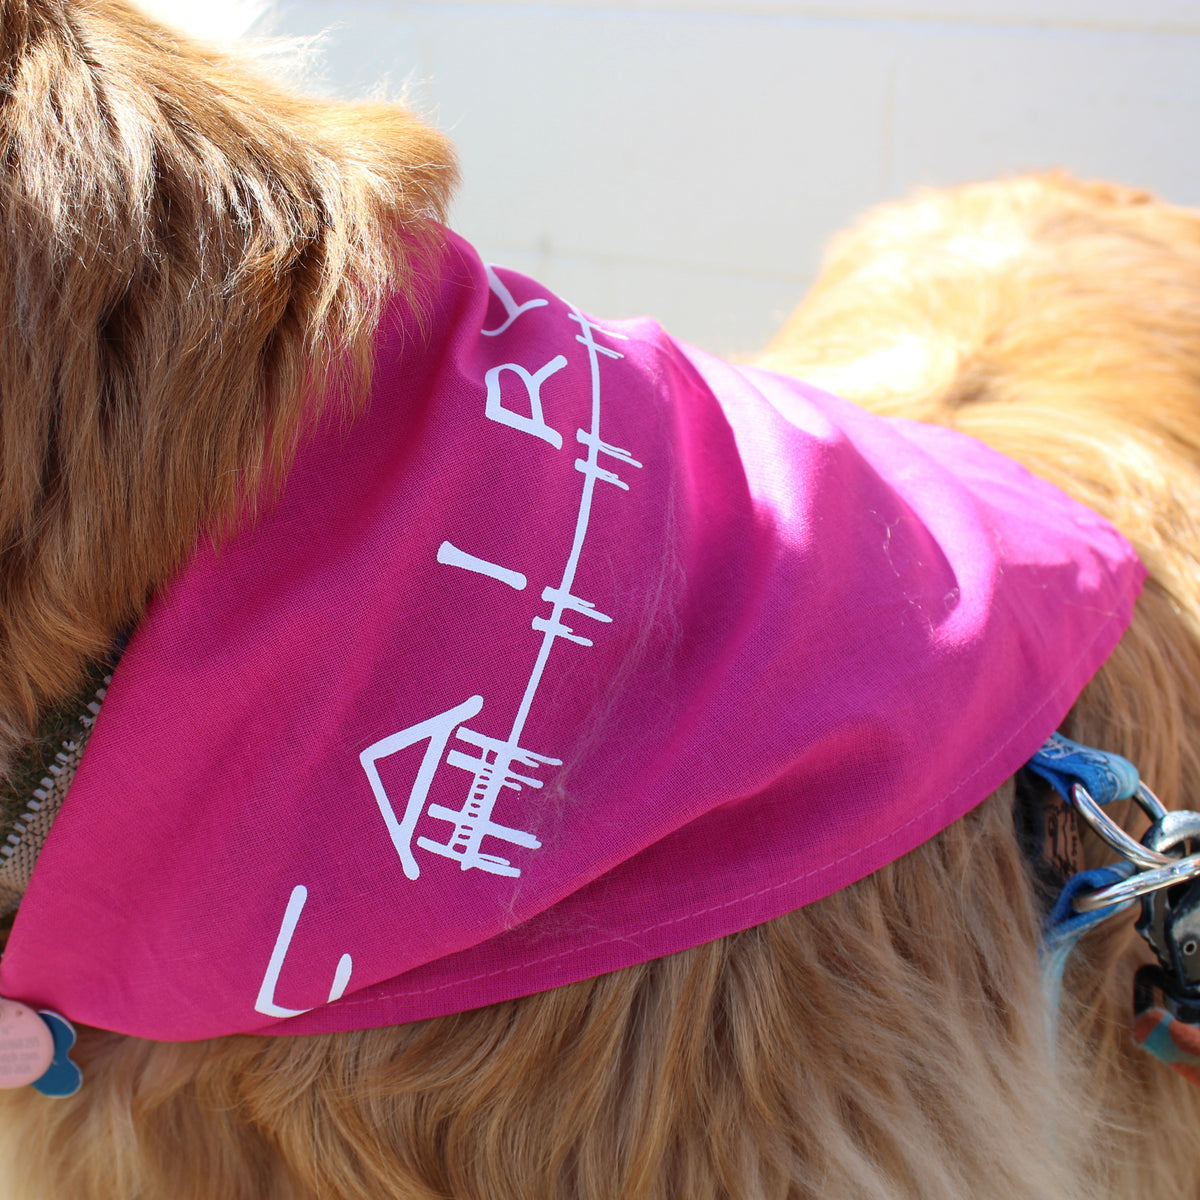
{"x":186,"y":253}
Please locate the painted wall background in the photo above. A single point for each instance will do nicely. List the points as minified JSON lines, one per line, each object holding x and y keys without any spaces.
{"x":689,"y":158}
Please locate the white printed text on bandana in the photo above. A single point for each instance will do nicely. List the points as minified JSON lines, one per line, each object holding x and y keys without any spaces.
{"x":491,"y":765}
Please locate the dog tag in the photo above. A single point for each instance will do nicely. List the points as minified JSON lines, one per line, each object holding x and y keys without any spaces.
{"x":26,"y":1045}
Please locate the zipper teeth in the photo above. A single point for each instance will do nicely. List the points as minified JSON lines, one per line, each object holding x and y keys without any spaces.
{"x":48,"y":795}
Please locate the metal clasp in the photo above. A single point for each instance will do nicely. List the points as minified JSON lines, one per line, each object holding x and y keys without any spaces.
{"x":1157,"y":870}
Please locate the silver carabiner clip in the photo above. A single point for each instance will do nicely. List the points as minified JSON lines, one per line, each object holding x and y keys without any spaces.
{"x":1110,"y":832}
{"x":1161,"y":871}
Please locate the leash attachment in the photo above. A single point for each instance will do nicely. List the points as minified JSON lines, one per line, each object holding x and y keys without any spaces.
{"x":1162,"y":871}
{"x":1166,"y":997}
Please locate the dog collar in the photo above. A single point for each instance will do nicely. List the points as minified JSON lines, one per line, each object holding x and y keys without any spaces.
{"x":33,"y":792}
{"x":1161,"y":871}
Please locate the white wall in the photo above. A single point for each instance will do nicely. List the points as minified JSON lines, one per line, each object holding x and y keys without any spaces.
{"x":689,"y":157}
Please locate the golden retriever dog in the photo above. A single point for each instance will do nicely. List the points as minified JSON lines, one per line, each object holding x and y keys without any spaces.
{"x":189,"y":254}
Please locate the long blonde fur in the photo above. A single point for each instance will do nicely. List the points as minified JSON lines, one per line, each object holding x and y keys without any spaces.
{"x":190,"y":258}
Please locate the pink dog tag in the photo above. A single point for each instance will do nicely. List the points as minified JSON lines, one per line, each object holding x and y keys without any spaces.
{"x":26,"y":1045}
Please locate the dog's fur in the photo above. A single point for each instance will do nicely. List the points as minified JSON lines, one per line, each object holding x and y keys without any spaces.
{"x":189,"y":257}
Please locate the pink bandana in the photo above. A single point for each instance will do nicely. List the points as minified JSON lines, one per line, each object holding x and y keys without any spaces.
{"x":580,"y":647}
